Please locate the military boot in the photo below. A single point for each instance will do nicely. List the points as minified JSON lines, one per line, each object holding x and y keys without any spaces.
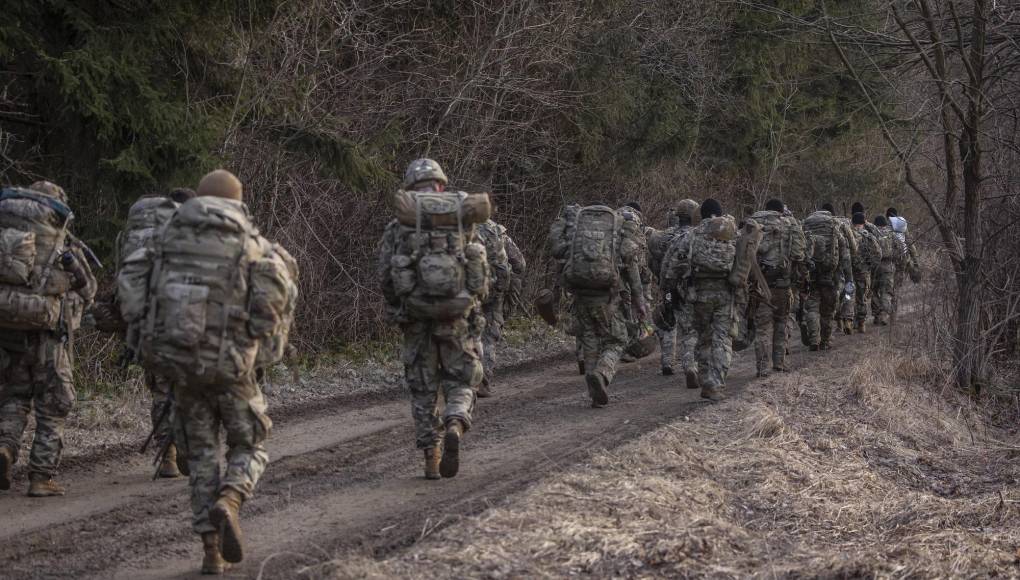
{"x":713,"y":394}
{"x":691,"y":377}
{"x":860,"y":327}
{"x":667,"y":371}
{"x":168,"y":468}
{"x":449,"y":465}
{"x":42,"y":485}
{"x":433,"y":455}
{"x":6,"y":462}
{"x":847,"y":326}
{"x":580,"y":368}
{"x":212,"y":562}
{"x":225,"y":515}
{"x":597,"y":390}
{"x":484,"y":391}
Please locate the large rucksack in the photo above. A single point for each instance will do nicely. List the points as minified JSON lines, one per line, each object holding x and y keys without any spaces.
{"x":145,"y":220}
{"x":33,"y":231}
{"x":869,"y":250}
{"x":212,"y":300}
{"x":594,"y":243}
{"x":437,"y":269}
{"x":824,"y":231}
{"x":780,"y":245}
{"x":491,"y":236}
{"x":713,"y":248}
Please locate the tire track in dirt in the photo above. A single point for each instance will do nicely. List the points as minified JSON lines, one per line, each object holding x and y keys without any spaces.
{"x":343,"y":479}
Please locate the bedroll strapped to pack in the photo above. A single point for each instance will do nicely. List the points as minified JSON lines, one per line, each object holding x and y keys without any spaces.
{"x":591,"y":260}
{"x":823,"y":229}
{"x":437,"y":270}
{"x":745,"y":256}
{"x":212,"y":300}
{"x":33,"y":232}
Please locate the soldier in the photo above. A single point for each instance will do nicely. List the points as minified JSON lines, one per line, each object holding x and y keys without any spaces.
{"x":210,"y":258}
{"x":601,"y":253}
{"x":908,"y":265}
{"x":846,"y":300}
{"x":830,"y":260}
{"x":45,"y":285}
{"x":781,"y":257}
{"x":869,"y":254}
{"x":701,"y":267}
{"x":493,"y":237}
{"x":440,"y":318}
{"x":674,"y":321}
{"x":884,"y":281}
{"x":518,"y":267}
{"x":637,"y":324}
{"x":558,"y":243}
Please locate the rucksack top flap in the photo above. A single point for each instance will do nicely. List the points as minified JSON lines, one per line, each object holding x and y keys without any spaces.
{"x":207,"y":212}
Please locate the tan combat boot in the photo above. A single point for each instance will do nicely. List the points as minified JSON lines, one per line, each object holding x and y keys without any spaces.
{"x":225,"y":515}
{"x":449,"y":465}
{"x":212,"y":562}
{"x":42,"y":485}
{"x":860,"y":327}
{"x":597,"y":390}
{"x":168,"y":468}
{"x":433,"y":456}
{"x":713,"y":394}
{"x":692,"y":380}
{"x":6,"y":462}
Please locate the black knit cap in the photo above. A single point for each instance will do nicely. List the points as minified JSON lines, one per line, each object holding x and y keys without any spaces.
{"x":710,"y":208}
{"x":774,"y":205}
{"x":828,"y":207}
{"x":859,"y":219}
{"x":880,"y":221}
{"x":891,"y":212}
{"x":633,"y":204}
{"x":857,"y":207}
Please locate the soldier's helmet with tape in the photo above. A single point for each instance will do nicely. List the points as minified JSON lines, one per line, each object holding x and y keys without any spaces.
{"x":423,"y":170}
{"x":688,"y":208}
{"x":50,"y":189}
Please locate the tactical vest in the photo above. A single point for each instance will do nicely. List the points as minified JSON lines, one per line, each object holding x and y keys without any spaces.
{"x":212,"y":300}
{"x":438,"y":271}
{"x":33,"y":232}
{"x":594,"y":243}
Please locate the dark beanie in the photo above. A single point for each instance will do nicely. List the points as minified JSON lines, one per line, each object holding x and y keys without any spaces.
{"x":633,"y":204}
{"x":880,"y":221}
{"x":828,"y":207}
{"x":857,"y":207}
{"x":774,"y":205}
{"x":891,"y":212}
{"x":710,"y":208}
{"x":859,"y":219}
{"x":182,"y":194}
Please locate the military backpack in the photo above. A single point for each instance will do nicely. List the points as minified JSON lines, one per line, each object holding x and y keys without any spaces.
{"x":490,"y":234}
{"x":211,"y":300}
{"x":780,"y":245}
{"x":824,"y":231}
{"x":713,"y":247}
{"x":594,"y":244}
{"x":438,"y":270}
{"x":33,"y":232}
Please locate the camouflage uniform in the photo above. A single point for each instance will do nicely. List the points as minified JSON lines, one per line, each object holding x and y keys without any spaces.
{"x":884,"y":279}
{"x":868,"y":255}
{"x":636,"y":322}
{"x":437,"y":357}
{"x":240,"y":410}
{"x":518,"y":266}
{"x":493,"y":237}
{"x":822,"y":300}
{"x":844,"y":310}
{"x":682,"y":331}
{"x":711,"y":300}
{"x":160,"y":390}
{"x":602,"y":333}
{"x":38,"y":375}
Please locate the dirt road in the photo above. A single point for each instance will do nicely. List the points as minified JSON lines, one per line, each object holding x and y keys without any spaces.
{"x":343,"y":477}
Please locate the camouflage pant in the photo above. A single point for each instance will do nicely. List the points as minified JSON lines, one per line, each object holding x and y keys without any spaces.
{"x":241,"y":411}
{"x":440,"y":357}
{"x":712,"y":318}
{"x":602,"y":334}
{"x":819,"y":308}
{"x":491,"y":336}
{"x":160,"y":389}
{"x":857,"y":309}
{"x":38,"y":376}
{"x":883,"y":291}
{"x":683,"y":333}
{"x":770,"y":324}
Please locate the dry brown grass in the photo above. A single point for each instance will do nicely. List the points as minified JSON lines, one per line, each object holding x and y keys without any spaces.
{"x":859,"y":469}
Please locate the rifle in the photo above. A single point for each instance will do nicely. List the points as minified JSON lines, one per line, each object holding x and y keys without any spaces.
{"x":164,"y":412}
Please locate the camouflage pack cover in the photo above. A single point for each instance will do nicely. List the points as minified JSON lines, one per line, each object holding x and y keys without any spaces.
{"x":779,"y":246}
{"x":591,"y":260}
{"x":746,"y":253}
{"x":212,"y":300}
{"x":823,"y":229}
{"x":146,"y":218}
{"x":490,"y":234}
{"x":869,"y":250}
{"x":713,"y":247}
{"x":33,"y":231}
{"x":438,"y":271}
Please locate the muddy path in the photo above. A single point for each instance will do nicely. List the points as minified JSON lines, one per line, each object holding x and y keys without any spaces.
{"x":343,"y":477}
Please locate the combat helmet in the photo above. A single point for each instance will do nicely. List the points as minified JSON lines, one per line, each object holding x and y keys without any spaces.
{"x":423,"y":170}
{"x":688,"y":208}
{"x":49,"y":189}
